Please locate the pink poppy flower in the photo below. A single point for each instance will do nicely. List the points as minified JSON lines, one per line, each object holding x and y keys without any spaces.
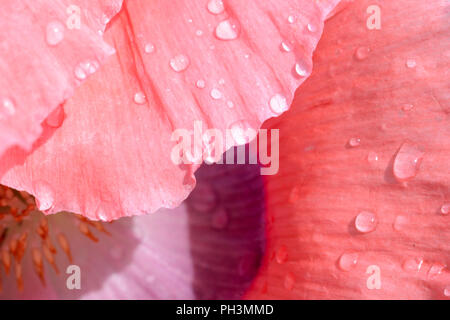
{"x":359,"y":206}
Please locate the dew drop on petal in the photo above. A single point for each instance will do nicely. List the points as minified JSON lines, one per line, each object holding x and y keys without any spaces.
{"x":291,"y":19}
{"x":301,"y":69}
{"x":281,"y":254}
{"x":278,"y":104}
{"x":54,"y":33}
{"x":199,"y":33}
{"x":348,"y":261}
{"x":311,"y":27}
{"x":411,"y":63}
{"x":86,"y":68}
{"x":362,"y":53}
{"x":227,"y":30}
{"x":413,"y":264}
{"x":366,"y":222}
{"x":285,"y":47}
{"x":372,"y":157}
{"x":242,"y":132}
{"x":7,"y":108}
{"x":180,"y":63}
{"x":400,"y":223}
{"x":44,"y":196}
{"x":230,"y":104}
{"x":216,"y":6}
{"x":445,"y":209}
{"x":407,"y":161}
{"x":407,"y":107}
{"x":289,"y":281}
{"x":447,"y":291}
{"x":435,"y":270}
{"x":216,"y":94}
{"x":140,"y":98}
{"x":354,"y":142}
{"x":149,"y":48}
{"x":56,"y":118}
{"x":201,"y":84}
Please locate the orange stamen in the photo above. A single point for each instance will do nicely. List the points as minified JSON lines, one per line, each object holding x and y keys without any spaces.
{"x":38,"y":264}
{"x":84,"y":229}
{"x":6,"y":259}
{"x":19,"y":278}
{"x":65,"y":246}
{"x":49,"y":257}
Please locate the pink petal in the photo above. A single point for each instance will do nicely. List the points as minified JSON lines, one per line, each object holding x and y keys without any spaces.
{"x":41,"y":49}
{"x":112,"y":155}
{"x":368,"y":132}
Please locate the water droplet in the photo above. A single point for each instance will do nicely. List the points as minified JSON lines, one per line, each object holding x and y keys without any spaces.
{"x":411,"y":63}
{"x":413,"y":264}
{"x":289,"y":281}
{"x":216,"y":6}
{"x":366,"y":222}
{"x":179,"y":63}
{"x":227,"y":30}
{"x":54,"y":33}
{"x":447,"y":291}
{"x":242,"y":132}
{"x":362,"y":53}
{"x":435,"y":270}
{"x":199,"y":33}
{"x":201,"y":84}
{"x":354,"y":142}
{"x":56,"y":118}
{"x":282,"y":254}
{"x":311,"y":27}
{"x":407,"y":107}
{"x":140,"y":98}
{"x":216,"y":94}
{"x":400,"y":223}
{"x":301,"y":69}
{"x":445,"y":209}
{"x":407,"y":161}
{"x":7,"y":108}
{"x":86,"y":68}
{"x":348,"y":261}
{"x":149,"y":48}
{"x":372,"y":157}
{"x":278,"y":104}
{"x":219,"y":219}
{"x":44,"y":196}
{"x":291,"y":19}
{"x":285,"y":47}
{"x":230,"y":104}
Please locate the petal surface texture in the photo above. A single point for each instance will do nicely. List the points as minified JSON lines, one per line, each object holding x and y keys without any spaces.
{"x":47,"y":48}
{"x":359,"y":209}
{"x":176,"y":62}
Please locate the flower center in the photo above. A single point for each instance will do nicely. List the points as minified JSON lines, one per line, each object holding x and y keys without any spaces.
{"x":26,"y":232}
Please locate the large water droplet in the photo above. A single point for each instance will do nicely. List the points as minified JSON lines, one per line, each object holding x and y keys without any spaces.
{"x":289,"y":281}
{"x":445,"y":209}
{"x":179,"y":63}
{"x":366,"y":222}
{"x":54,"y":33}
{"x":140,"y":98}
{"x":278,"y":104}
{"x":301,"y":69}
{"x":348,"y":261}
{"x":407,"y":161}
{"x":56,"y":118}
{"x":227,"y":30}
{"x":281,"y":255}
{"x":216,"y":6}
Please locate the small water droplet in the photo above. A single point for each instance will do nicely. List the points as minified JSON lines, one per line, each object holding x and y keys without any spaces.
{"x":230,"y":104}
{"x":179,"y":63}
{"x":282,"y":254}
{"x":219,"y":219}
{"x":227,"y":30}
{"x":56,"y":118}
{"x":301,"y":69}
{"x":435,"y":270}
{"x":407,"y":107}
{"x":400,"y":223}
{"x":278,"y":104}
{"x":445,"y":209}
{"x":54,"y":33}
{"x":289,"y":281}
{"x":311,"y":27}
{"x":7,"y":108}
{"x":354,"y":142}
{"x":285,"y":47}
{"x":362,"y":53}
{"x":149,"y":48}
{"x":366,"y":222}
{"x":411,"y":63}
{"x":407,"y":161}
{"x":291,"y":19}
{"x":372,"y":157}
{"x":44,"y":196}
{"x":86,"y":68}
{"x":242,"y":132}
{"x":199,"y":33}
{"x":216,"y":94}
{"x":201,"y":84}
{"x":140,"y":98}
{"x":216,"y":6}
{"x":447,"y":291}
{"x":348,"y":261}
{"x":413,"y":264}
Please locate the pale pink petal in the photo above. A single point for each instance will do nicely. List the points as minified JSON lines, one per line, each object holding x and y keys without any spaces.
{"x":112,"y":155}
